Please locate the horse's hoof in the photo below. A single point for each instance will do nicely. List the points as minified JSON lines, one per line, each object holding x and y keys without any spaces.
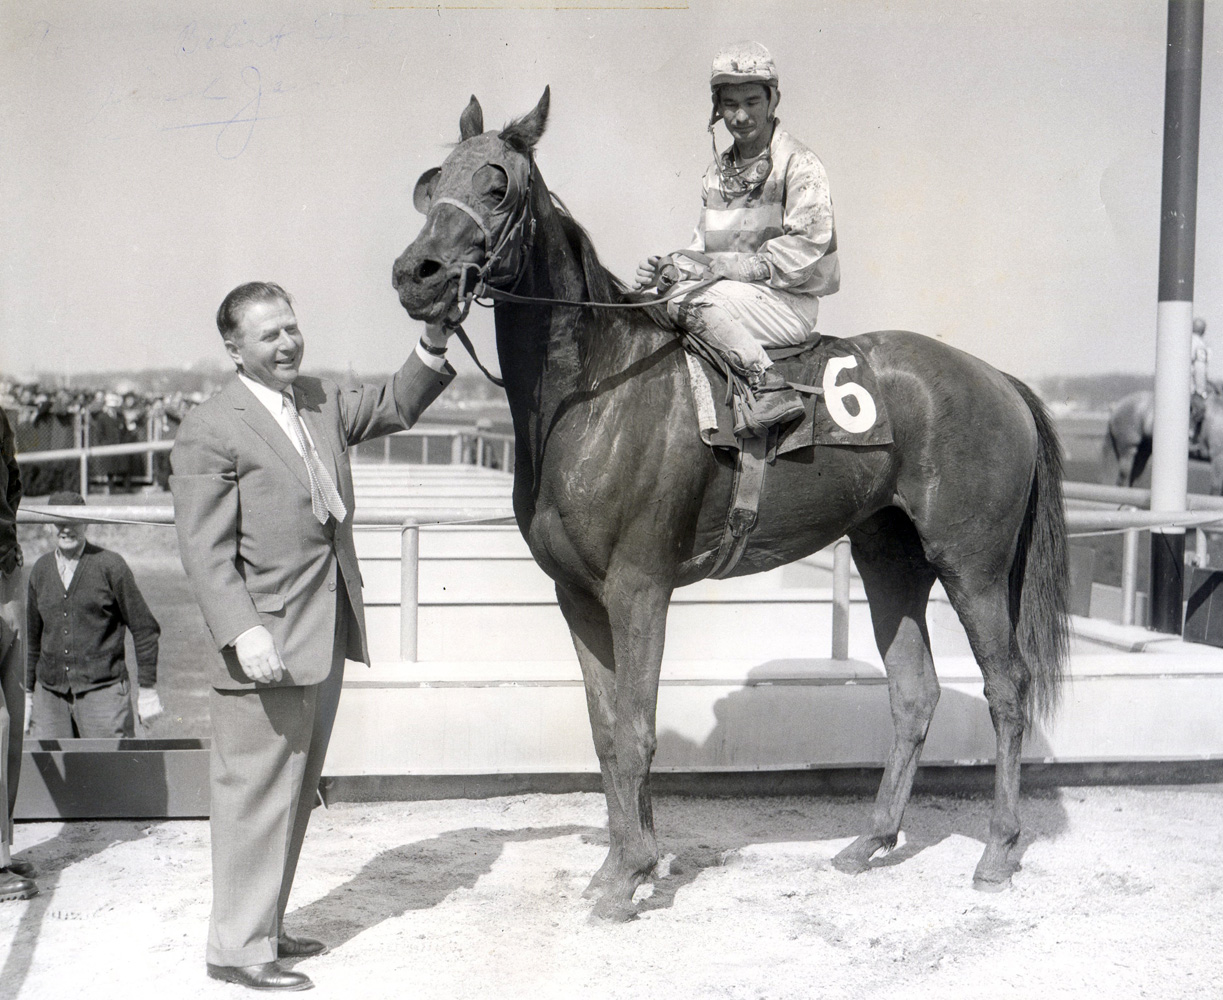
{"x":851,"y":864}
{"x":991,"y":885}
{"x":855,"y":858}
{"x":607,"y":911}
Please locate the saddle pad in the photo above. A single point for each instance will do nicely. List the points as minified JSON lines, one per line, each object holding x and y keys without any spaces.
{"x":849,"y":410}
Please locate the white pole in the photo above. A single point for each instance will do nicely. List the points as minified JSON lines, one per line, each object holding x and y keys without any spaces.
{"x":1174,"y":323}
{"x":840,"y":599}
{"x":409,"y":590}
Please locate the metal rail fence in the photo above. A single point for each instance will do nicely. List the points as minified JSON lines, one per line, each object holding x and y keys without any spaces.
{"x":455,"y":445}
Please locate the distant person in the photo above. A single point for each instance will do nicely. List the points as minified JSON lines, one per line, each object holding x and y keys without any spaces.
{"x":1199,"y":367}
{"x":16,"y":877}
{"x":263,"y":505}
{"x":80,"y":600}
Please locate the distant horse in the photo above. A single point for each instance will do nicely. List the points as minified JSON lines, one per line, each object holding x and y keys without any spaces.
{"x":1127,"y":439}
{"x":621,"y":502}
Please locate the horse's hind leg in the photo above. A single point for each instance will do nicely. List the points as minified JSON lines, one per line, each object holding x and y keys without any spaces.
{"x":592,"y":638}
{"x":897,"y":578}
{"x":984,"y":611}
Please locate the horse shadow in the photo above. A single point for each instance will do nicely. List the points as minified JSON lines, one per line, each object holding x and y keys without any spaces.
{"x":835,"y":803}
{"x":416,"y":876}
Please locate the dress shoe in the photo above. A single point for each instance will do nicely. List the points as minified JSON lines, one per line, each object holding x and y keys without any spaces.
{"x":14,"y":886}
{"x":22,"y":868}
{"x":298,"y":947}
{"x":268,"y":976}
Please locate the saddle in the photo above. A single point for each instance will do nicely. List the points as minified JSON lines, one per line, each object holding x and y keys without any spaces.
{"x":843,"y":407}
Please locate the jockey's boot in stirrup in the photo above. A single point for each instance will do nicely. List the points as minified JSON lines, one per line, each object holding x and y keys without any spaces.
{"x":775,"y":403}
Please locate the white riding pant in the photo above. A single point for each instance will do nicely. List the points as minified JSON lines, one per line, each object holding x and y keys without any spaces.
{"x":739,"y":319}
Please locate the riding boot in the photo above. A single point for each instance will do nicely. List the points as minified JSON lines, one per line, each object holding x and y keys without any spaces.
{"x":774,"y":402}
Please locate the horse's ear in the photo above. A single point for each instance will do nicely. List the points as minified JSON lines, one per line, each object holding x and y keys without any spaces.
{"x":471,"y":121}
{"x":422,"y":195}
{"x":523,"y":133}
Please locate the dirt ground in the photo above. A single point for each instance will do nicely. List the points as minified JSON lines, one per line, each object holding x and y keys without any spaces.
{"x":1120,"y":895}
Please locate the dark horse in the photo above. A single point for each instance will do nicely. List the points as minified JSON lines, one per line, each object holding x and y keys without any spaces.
{"x":620,"y":502}
{"x":1127,"y":439}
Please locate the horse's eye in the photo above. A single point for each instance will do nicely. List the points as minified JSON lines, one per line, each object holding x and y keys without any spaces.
{"x":491,"y":183}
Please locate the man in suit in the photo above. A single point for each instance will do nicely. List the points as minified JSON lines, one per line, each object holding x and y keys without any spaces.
{"x":263,"y":502}
{"x":16,"y":877}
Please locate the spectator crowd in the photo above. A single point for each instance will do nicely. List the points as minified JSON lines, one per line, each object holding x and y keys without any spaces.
{"x":45,"y":418}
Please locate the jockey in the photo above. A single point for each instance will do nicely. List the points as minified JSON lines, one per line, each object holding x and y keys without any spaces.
{"x":766,"y":228}
{"x":1199,"y":370}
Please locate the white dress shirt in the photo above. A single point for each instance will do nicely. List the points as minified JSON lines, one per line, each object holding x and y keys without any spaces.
{"x":67,"y":567}
{"x":274,"y":401}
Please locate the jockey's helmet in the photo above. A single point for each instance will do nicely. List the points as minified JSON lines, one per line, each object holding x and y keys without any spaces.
{"x":1199,"y":325}
{"x":743,"y":62}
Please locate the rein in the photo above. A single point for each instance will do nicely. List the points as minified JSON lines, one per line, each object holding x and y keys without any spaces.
{"x":513,"y":247}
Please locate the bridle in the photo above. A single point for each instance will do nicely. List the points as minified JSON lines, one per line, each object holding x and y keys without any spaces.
{"x":505,"y":264}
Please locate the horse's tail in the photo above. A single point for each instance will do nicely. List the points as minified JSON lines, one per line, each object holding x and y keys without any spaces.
{"x":1040,"y":572}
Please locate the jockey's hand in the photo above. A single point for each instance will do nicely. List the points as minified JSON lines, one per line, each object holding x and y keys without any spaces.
{"x":647,"y":272}
{"x":658,"y":271}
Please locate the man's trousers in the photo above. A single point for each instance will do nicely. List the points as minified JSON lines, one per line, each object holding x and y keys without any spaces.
{"x":268,"y":747}
{"x":12,"y":704}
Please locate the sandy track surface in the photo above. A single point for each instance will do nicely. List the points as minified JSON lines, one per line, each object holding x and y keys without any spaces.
{"x":1120,"y":895}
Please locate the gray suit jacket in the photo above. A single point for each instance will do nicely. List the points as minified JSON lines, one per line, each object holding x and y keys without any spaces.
{"x":252,"y":548}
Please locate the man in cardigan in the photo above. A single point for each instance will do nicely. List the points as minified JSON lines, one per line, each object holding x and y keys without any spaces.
{"x":80,"y":600}
{"x":263,"y":504}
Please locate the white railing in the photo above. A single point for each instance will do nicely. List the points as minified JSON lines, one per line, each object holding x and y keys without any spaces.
{"x":1204,"y":510}
{"x":463,"y":445}
{"x":409,"y":524}
{"x":1121,"y":508}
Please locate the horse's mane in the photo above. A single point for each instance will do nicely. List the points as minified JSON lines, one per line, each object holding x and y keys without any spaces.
{"x":601,"y":284}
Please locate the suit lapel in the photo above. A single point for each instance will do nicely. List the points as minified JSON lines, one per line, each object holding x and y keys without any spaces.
{"x":256,"y":416}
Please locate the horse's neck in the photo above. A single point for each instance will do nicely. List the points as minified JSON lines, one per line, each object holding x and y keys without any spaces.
{"x":553,"y":358}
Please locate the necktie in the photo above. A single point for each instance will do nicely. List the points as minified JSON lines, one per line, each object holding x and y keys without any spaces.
{"x":324,"y":497}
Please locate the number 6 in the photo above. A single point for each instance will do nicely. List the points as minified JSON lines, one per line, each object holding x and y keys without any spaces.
{"x":834,"y":396}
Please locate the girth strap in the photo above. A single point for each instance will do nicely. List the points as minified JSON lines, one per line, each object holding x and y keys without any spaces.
{"x":744,"y":505}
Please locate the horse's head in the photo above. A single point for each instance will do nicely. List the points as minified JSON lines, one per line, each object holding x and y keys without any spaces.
{"x":476,"y":207}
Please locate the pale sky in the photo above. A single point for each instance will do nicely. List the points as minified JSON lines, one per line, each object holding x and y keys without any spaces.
{"x":995,"y":166}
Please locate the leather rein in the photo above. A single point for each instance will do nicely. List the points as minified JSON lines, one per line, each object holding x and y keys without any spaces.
{"x":512,"y":248}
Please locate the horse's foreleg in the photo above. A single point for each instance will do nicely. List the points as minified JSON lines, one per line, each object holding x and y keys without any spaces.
{"x":592,"y":638}
{"x":637,"y":609}
{"x":985,"y":614}
{"x":897,"y":579}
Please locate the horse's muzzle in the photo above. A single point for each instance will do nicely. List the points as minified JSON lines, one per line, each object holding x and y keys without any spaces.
{"x":426,"y":287}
